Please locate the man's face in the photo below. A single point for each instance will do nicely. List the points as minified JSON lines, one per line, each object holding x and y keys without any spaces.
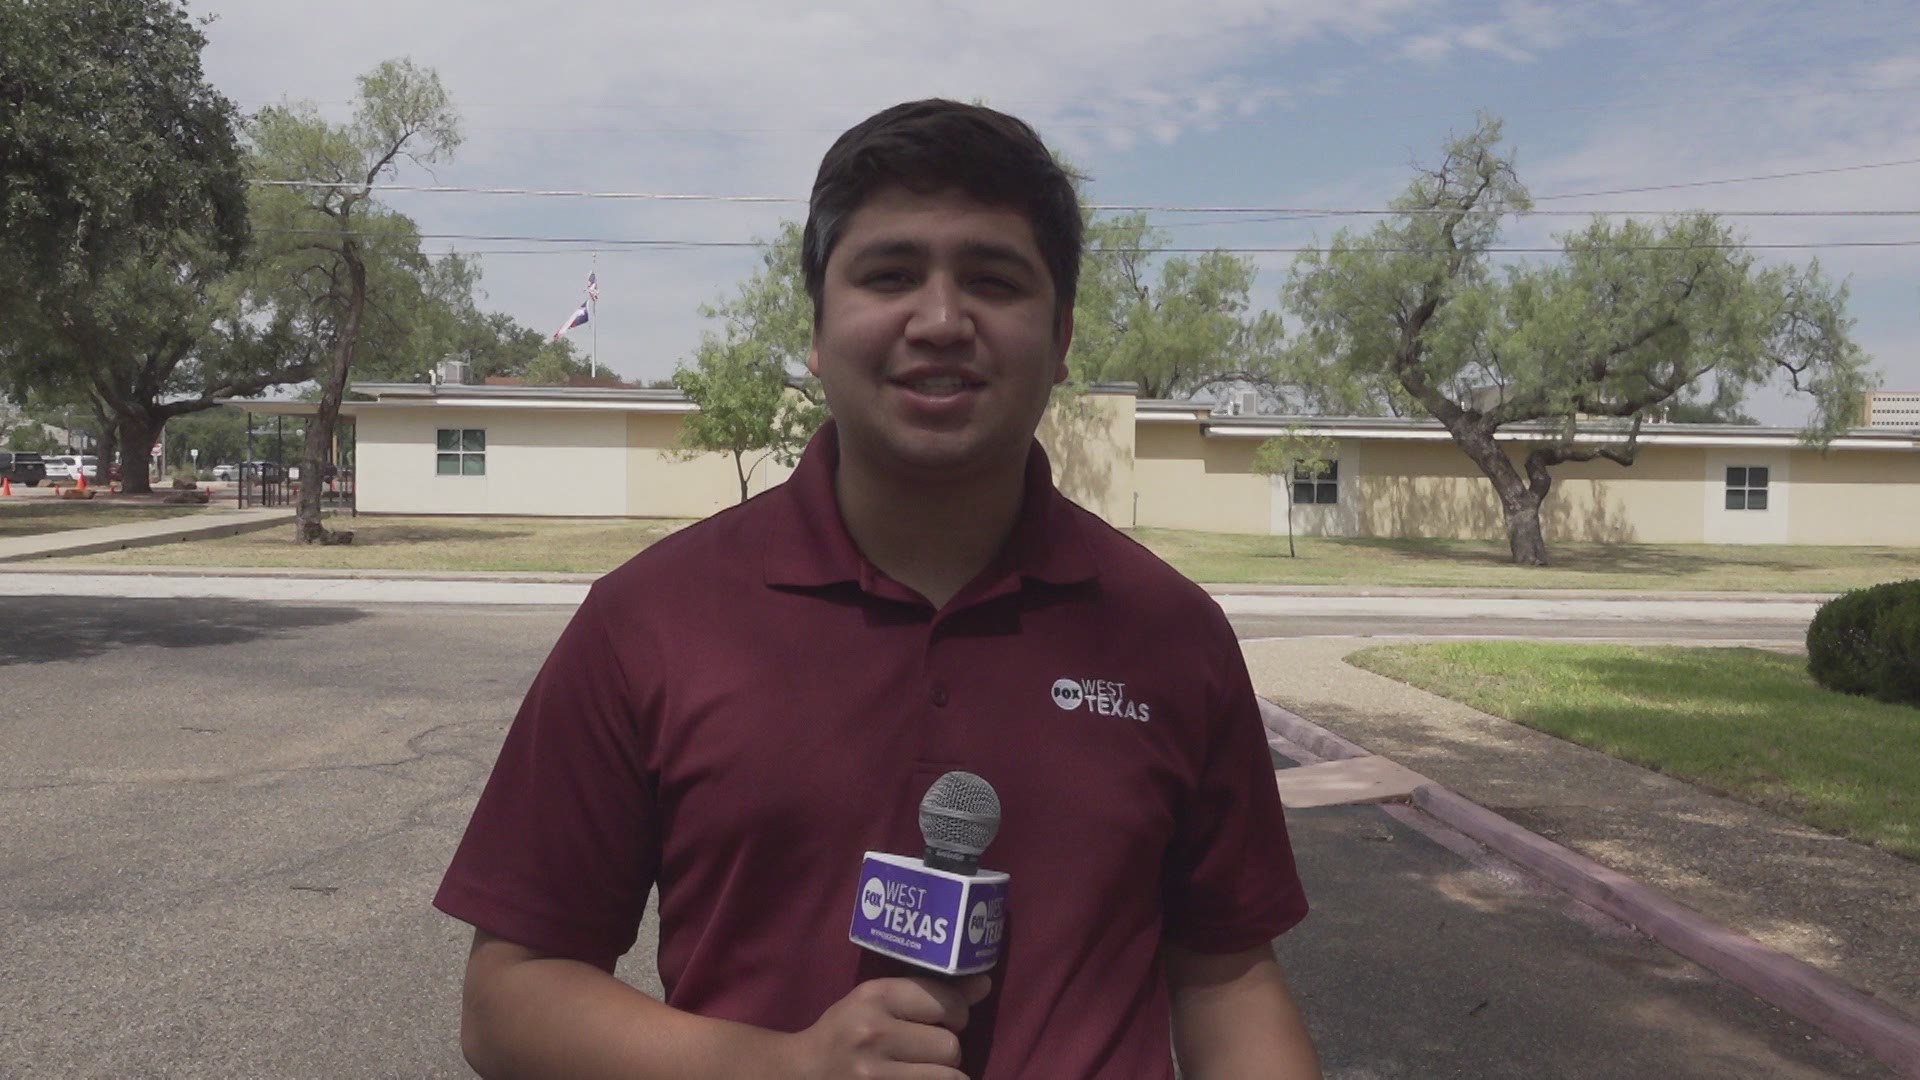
{"x":936,"y":341}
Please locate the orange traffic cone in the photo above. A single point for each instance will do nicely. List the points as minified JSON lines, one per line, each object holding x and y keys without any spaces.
{"x":82,"y":474}
{"x":6,"y":486}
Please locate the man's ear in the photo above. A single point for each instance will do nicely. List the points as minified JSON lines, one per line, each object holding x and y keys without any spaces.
{"x":813,"y":354}
{"x":1063,"y":341}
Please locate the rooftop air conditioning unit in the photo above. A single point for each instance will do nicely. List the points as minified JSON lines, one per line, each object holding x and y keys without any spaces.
{"x":453,"y":372}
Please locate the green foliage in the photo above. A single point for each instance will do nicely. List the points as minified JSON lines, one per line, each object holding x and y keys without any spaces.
{"x":125,"y":217}
{"x":219,"y":434}
{"x":110,"y":134}
{"x":349,"y":270}
{"x":1294,"y":449}
{"x":1188,"y":328}
{"x":32,"y":438}
{"x":740,"y":377}
{"x":1633,"y":316}
{"x":1868,"y":642}
{"x":1293,"y":452}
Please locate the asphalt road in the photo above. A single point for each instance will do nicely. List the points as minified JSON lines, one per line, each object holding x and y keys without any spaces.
{"x":225,"y":819}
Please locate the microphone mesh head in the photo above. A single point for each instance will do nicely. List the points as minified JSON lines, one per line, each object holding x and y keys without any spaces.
{"x":960,"y":815}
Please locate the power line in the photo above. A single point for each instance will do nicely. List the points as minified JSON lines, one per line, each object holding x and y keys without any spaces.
{"x":614,"y":242}
{"x":1732,"y":180}
{"x":1303,"y":211}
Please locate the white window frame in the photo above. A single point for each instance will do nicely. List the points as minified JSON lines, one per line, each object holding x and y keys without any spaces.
{"x":468,"y":454}
{"x":1743,"y":492}
{"x":1322,"y":485}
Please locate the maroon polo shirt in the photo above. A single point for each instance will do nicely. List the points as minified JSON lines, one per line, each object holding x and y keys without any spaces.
{"x":747,"y":706}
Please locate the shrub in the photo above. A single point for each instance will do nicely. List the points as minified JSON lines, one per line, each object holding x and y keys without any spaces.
{"x":1868,"y":642}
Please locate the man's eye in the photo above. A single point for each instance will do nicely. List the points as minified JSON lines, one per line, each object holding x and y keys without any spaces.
{"x":995,"y":286}
{"x":887,"y":279}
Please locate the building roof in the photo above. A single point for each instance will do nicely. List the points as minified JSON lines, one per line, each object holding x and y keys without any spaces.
{"x":1423,"y":429}
{"x":1150,"y":411}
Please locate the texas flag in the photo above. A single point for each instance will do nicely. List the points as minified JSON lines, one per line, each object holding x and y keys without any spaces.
{"x":579,"y":319}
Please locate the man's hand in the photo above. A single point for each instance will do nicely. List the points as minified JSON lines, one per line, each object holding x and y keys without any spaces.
{"x":892,"y":1028}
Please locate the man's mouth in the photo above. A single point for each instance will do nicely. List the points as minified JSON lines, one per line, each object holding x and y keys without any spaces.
{"x":939,"y":385}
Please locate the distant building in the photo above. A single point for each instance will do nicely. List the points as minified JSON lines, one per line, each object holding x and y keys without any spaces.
{"x":454,"y":448}
{"x":1894,"y":409}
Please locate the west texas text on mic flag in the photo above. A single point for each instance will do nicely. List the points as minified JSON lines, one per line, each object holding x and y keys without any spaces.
{"x":579,"y":319}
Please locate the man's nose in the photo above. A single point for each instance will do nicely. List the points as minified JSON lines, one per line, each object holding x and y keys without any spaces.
{"x":940,"y":316}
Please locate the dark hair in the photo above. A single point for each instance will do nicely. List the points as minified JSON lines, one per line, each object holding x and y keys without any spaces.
{"x":937,"y":145}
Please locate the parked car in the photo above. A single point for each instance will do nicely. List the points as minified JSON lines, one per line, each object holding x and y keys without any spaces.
{"x":23,"y":467}
{"x":71,"y":462}
{"x":58,"y":469}
{"x":269,"y":471}
{"x":225,"y":471}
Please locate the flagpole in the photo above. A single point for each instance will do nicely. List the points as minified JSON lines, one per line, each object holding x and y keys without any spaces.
{"x":593,"y":316}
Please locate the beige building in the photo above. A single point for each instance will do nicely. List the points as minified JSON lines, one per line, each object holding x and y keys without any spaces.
{"x":493,"y":450}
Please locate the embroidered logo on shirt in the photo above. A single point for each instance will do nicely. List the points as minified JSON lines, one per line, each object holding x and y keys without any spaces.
{"x":1098,"y":696}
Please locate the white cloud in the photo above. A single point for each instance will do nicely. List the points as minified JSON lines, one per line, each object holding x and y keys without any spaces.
{"x":1518,"y":33}
{"x":742,"y":96}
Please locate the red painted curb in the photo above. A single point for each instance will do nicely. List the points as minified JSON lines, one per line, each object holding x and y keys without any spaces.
{"x":1780,"y":980}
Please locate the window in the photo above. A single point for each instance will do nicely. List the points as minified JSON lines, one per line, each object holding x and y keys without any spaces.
{"x":1746,"y":487}
{"x":1319,"y":486}
{"x":463,"y":452}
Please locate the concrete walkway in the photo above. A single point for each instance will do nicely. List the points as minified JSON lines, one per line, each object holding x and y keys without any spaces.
{"x":200,"y":525}
{"x":1620,"y":831}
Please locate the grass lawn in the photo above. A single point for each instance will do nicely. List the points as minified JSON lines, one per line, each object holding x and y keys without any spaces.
{"x":427,"y":543}
{"x":1227,"y":558}
{"x":1744,"y":722}
{"x":540,"y":544}
{"x":31,"y":517}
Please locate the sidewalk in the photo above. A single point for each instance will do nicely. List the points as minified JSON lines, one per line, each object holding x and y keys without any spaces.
{"x":1843,"y":908}
{"x":198,"y":526}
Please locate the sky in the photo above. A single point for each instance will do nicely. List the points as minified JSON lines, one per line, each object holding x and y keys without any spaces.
{"x":1205,"y":103}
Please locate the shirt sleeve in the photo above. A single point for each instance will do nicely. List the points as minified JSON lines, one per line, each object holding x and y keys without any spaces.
{"x":1230,"y":882}
{"x":562,"y":849}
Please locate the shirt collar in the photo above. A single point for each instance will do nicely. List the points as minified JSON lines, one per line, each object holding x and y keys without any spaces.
{"x":810,"y":545}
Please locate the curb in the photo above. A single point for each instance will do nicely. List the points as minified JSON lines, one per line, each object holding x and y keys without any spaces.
{"x":1424,"y":593}
{"x":1788,"y":984}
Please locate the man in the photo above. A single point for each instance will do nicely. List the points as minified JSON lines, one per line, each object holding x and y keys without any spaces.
{"x":740,"y":711}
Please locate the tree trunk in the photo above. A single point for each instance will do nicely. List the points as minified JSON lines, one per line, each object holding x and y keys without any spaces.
{"x":1519,"y":500}
{"x":741,"y":473}
{"x":1290,"y":553}
{"x":1524,"y":538}
{"x":107,"y":447}
{"x":136,"y":445}
{"x":307,"y":528}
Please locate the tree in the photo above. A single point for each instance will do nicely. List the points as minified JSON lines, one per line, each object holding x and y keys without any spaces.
{"x":350,"y":261}
{"x":110,"y":133}
{"x":741,"y":378}
{"x":1190,"y":329}
{"x":161,"y":333}
{"x":125,"y":212}
{"x":1300,"y":458}
{"x":1632,"y":316}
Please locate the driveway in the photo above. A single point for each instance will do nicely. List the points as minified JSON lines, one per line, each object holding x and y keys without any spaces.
{"x":227,"y":817}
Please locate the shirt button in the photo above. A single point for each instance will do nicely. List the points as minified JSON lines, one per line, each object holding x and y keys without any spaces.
{"x":939,"y":695}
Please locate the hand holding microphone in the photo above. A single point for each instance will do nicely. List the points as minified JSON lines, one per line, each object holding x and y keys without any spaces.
{"x":940,"y":912}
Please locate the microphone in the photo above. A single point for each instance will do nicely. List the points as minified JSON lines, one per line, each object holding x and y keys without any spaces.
{"x":939,"y":911}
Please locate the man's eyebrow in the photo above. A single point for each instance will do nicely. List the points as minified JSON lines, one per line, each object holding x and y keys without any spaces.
{"x":978,"y":251}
